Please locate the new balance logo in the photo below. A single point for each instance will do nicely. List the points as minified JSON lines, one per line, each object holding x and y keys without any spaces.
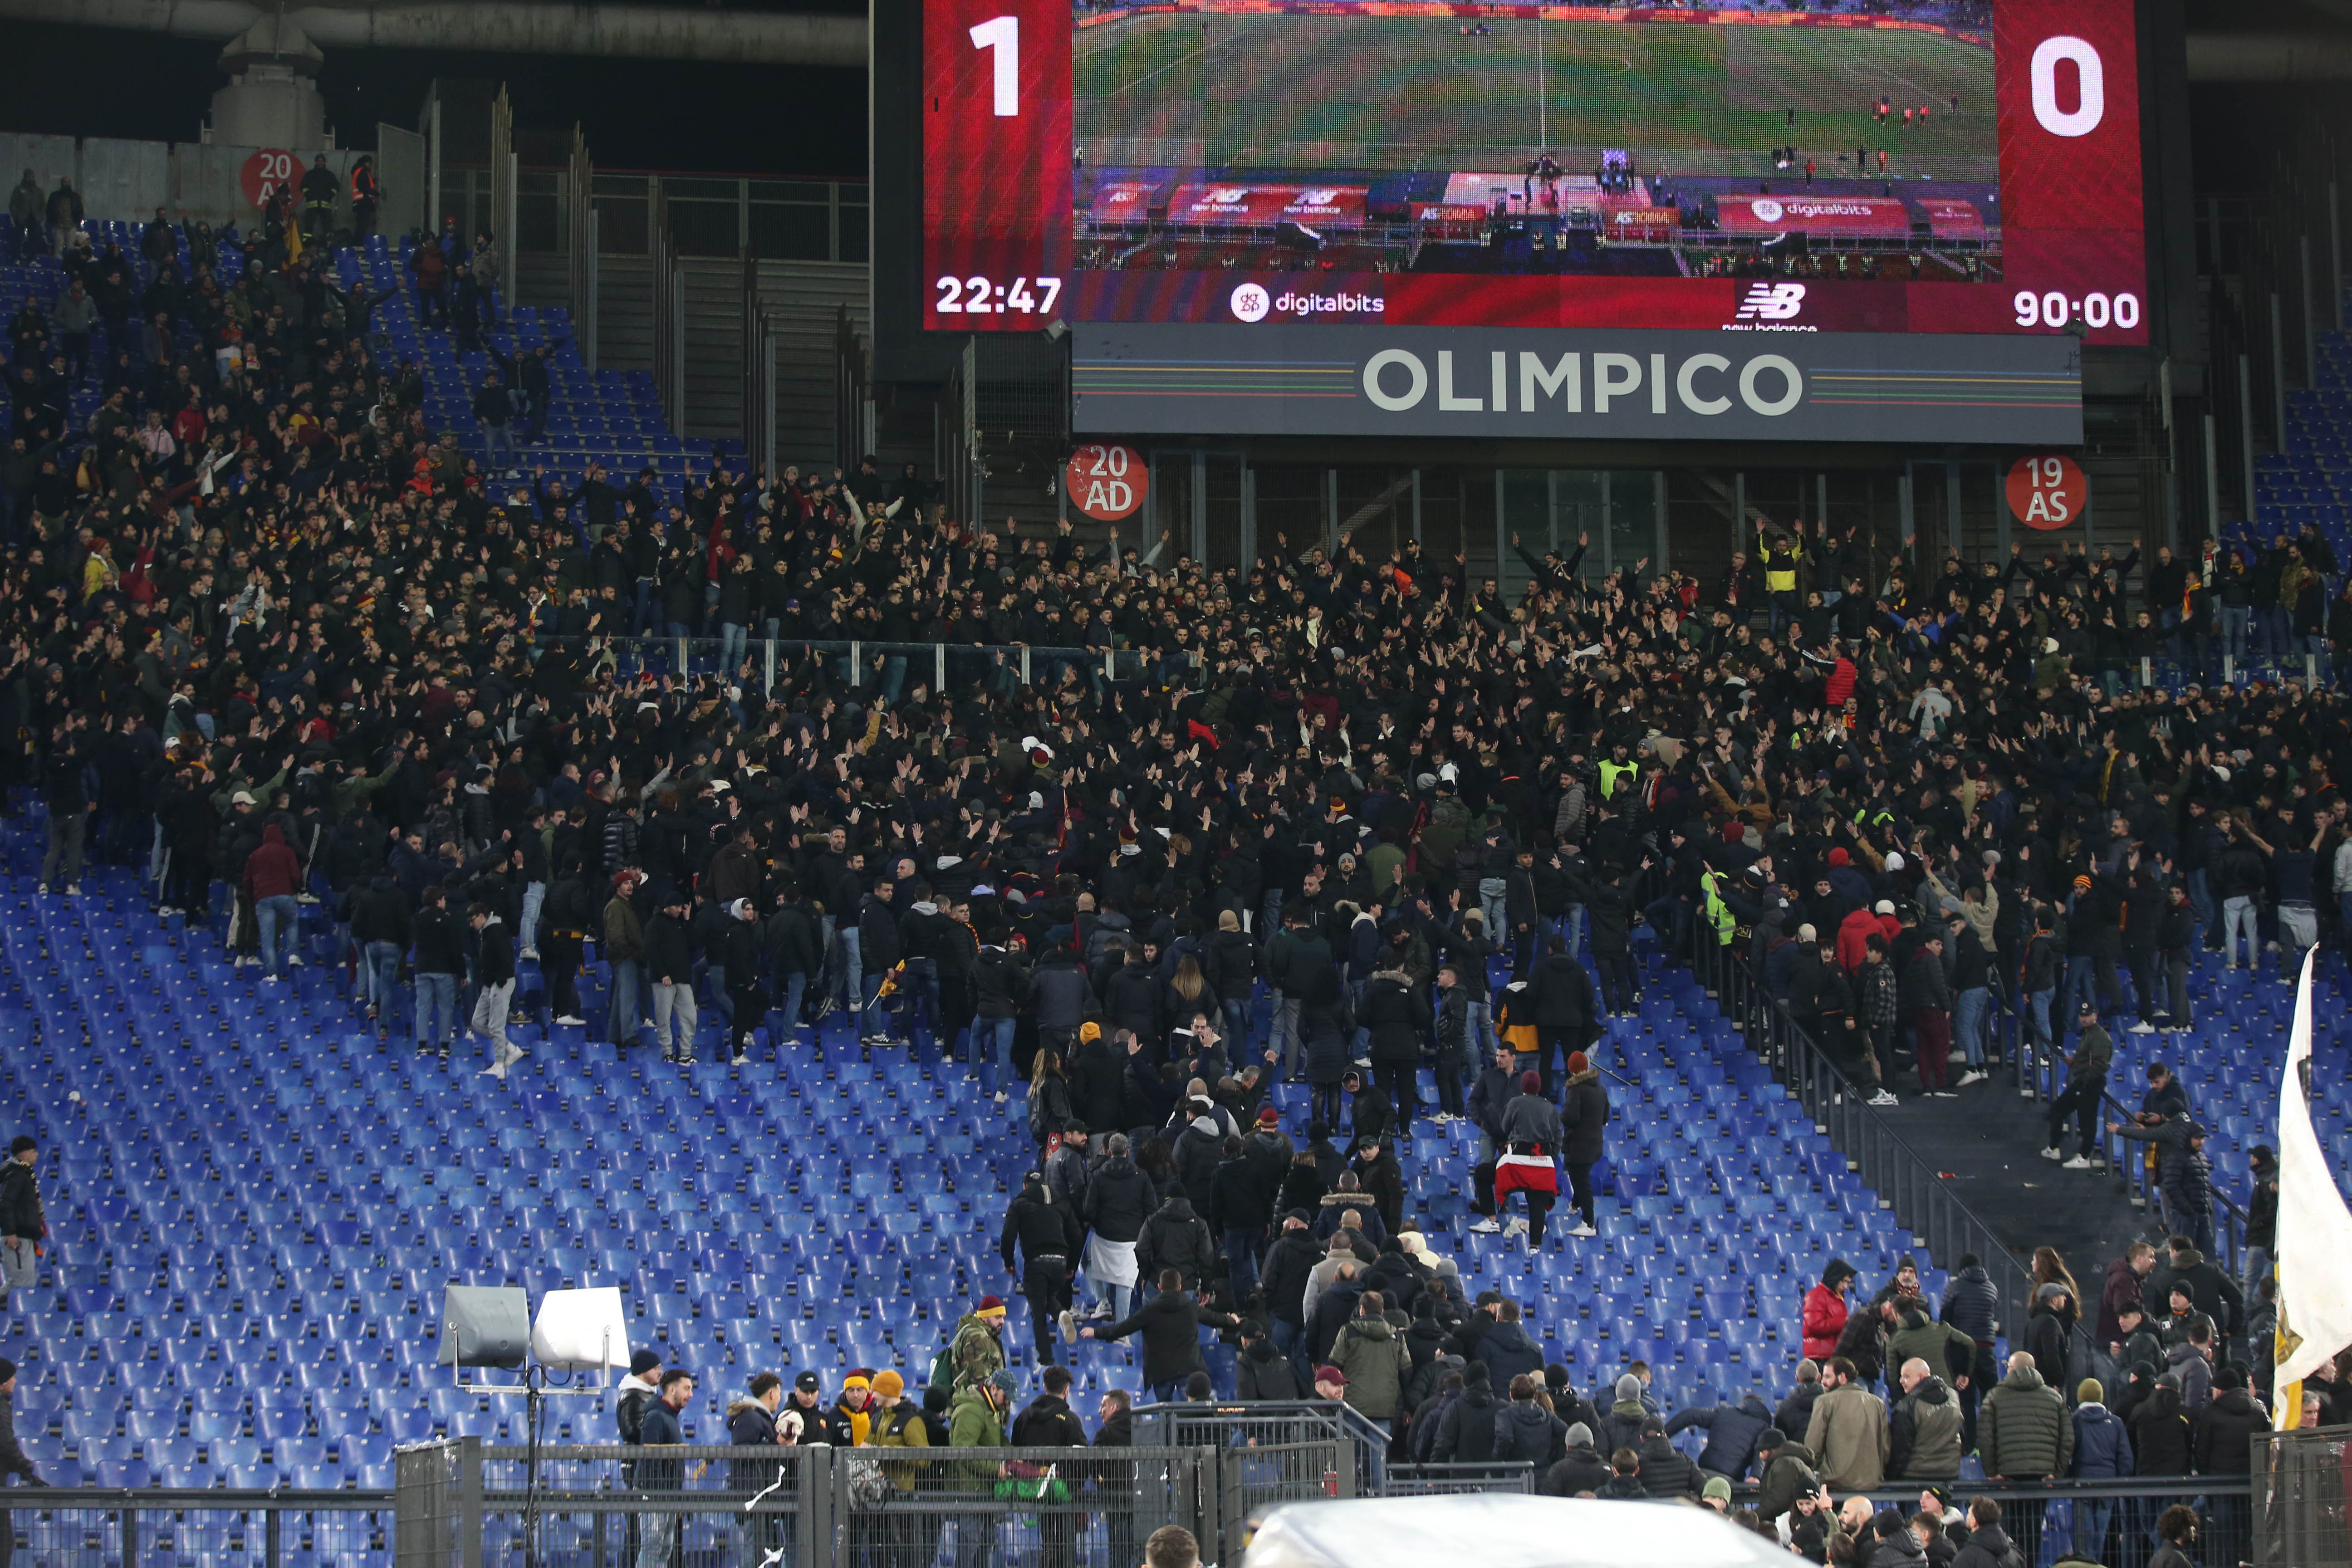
{"x":1772,"y":302}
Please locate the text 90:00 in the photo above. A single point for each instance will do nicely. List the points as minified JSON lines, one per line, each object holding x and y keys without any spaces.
{"x":2095,"y":310}
{"x":976,"y":296}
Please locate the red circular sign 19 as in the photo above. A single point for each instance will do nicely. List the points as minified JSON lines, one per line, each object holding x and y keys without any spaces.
{"x":268,"y":172}
{"x":1107,"y":482}
{"x":2048,"y":491}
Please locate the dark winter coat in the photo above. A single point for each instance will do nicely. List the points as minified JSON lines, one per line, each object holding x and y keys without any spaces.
{"x":1587,"y":1114}
{"x":1667,"y":1471}
{"x":1261,"y":1372}
{"x":1731,"y":1433}
{"x":1525,"y":1431}
{"x":1170,"y":1324}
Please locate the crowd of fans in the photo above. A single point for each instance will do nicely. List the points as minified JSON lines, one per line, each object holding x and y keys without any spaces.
{"x":267,"y":628}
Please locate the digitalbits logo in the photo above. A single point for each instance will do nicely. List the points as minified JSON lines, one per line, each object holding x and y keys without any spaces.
{"x":1765,"y":210}
{"x":1250,"y":303}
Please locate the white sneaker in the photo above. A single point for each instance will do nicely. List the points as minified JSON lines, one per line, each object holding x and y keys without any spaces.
{"x":1486,"y":1225}
{"x":1944,"y":1093}
{"x":1516,"y":1226}
{"x":1067,"y":1322}
{"x":739,"y":1059}
{"x":2053,"y":1153}
{"x":2143,"y":1027}
{"x":1000,"y":1096}
{"x":1969,"y":1077}
{"x":294,"y":959}
{"x":1580,"y":1230}
{"x":269,"y":980}
{"x":73,"y":890}
{"x":497,"y":1071}
{"x":531,"y":953}
{"x":1883,"y":1099}
{"x":2079,"y":1163}
{"x":568,"y":1018}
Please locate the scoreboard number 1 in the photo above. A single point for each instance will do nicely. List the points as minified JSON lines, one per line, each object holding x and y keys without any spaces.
{"x":1002,"y":34}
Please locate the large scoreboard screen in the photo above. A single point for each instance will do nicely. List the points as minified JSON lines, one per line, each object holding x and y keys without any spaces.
{"x":1869,"y":167}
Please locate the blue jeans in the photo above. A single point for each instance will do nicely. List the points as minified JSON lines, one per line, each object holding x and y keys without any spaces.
{"x":276,"y":916}
{"x":1285,"y":1038}
{"x":999,"y":1073}
{"x":1968,"y":1024}
{"x":1242,"y":1244}
{"x":437,"y":993}
{"x":1479,"y":1040}
{"x":381,"y":974}
{"x":1291,"y":1341}
{"x":852,"y":999}
{"x":920,"y":986}
{"x":2037,"y":1015}
{"x":495,"y":439}
{"x":795,"y":986}
{"x":2201,"y":899}
{"x":534,"y":894}
{"x":621,"y":1022}
{"x":733,"y":640}
{"x":2233,"y":639}
{"x":2239,"y":914}
{"x":2092,"y":1516}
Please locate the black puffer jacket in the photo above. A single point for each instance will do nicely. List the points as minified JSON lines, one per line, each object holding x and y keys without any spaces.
{"x":1666,"y":1470}
{"x":1177,"y":1238}
{"x":1119,"y":1200}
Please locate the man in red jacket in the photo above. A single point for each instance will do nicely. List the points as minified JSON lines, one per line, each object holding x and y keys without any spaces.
{"x":1825,"y":1310}
{"x":273,"y":877}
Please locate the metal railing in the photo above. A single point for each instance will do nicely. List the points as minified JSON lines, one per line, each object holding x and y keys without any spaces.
{"x":1904,"y":1180}
{"x":1432,"y":1481}
{"x":73,"y":1525}
{"x":892,"y":668}
{"x":2046,"y":1522}
{"x":1356,"y":1444}
{"x":2302,"y":1496}
{"x":462,"y":1504}
{"x":2041,"y":1077}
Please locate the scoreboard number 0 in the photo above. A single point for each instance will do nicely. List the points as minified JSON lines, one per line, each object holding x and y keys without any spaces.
{"x":2091,"y":89}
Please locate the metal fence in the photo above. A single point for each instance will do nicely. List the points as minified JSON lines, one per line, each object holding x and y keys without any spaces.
{"x":1355,"y":1445}
{"x":2112,"y":1523}
{"x":2302,"y":1496}
{"x":1905,"y":1182}
{"x":2041,"y":1077}
{"x":1433,"y":1481}
{"x":462,"y":1504}
{"x":90,"y":1527}
{"x":891,"y":669}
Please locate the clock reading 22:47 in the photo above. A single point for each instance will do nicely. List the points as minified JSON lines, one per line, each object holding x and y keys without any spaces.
{"x":997,"y":162}
{"x":977,"y":296}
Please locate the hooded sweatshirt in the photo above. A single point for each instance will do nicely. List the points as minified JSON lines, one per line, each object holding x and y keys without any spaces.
{"x":272,"y":871}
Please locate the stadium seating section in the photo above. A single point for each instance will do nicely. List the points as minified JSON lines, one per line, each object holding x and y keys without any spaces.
{"x":255,"y":1205}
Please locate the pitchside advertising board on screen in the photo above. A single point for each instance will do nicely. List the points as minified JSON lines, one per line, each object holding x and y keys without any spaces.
{"x":1287,"y":187}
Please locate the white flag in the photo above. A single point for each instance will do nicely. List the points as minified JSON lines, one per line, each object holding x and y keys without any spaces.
{"x":2315,"y":1228}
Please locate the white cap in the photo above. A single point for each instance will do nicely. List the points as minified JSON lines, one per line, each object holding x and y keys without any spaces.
{"x":1894,"y":861}
{"x":1883,"y":907}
